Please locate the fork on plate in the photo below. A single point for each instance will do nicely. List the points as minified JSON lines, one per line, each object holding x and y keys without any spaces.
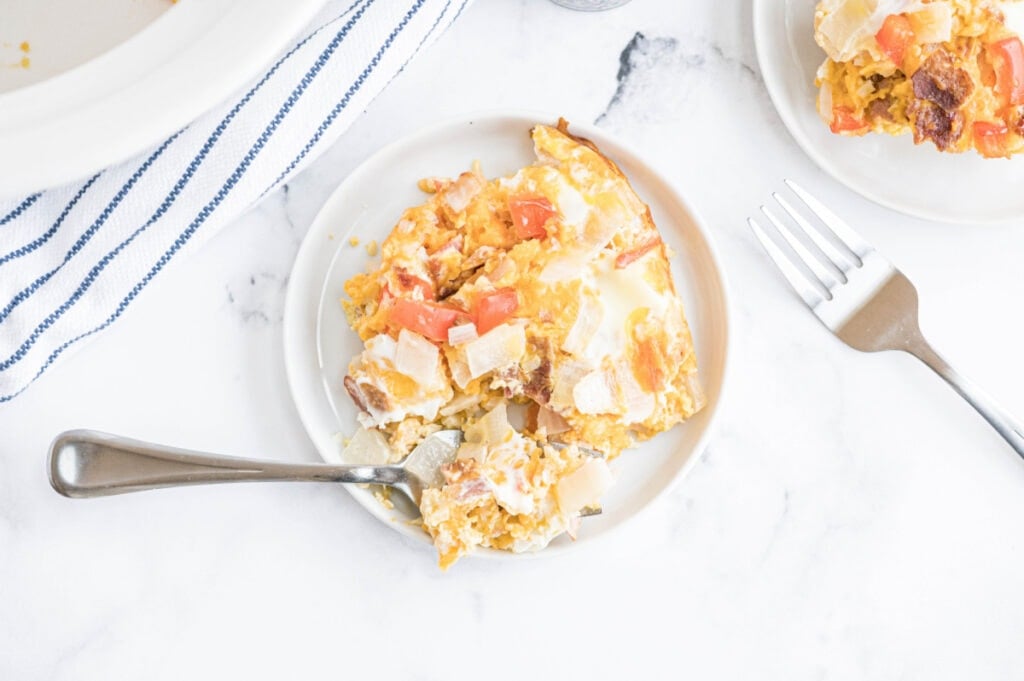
{"x":860,"y":296}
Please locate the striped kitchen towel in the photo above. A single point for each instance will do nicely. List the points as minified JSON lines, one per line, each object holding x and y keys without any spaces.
{"x":73,"y":259}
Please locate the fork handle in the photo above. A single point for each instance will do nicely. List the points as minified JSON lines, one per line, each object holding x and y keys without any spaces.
{"x":1005,"y":425}
{"x":88,"y":463}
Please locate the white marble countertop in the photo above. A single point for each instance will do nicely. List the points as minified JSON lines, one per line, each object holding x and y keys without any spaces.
{"x":852,"y":518}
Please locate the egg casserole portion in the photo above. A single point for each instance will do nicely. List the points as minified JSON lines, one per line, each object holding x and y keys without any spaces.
{"x":950,"y":72}
{"x":547,"y":291}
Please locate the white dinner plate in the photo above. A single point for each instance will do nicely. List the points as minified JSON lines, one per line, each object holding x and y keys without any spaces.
{"x":318,"y":343}
{"x":142,"y":78}
{"x":893,"y":171}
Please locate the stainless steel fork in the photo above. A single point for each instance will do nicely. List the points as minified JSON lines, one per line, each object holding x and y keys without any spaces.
{"x":862,"y":298}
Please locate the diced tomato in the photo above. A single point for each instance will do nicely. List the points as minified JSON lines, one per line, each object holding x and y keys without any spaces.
{"x":895,"y":36}
{"x":843,"y":120}
{"x":990,"y":139}
{"x":629,"y":257}
{"x":430,"y":320}
{"x":494,"y":308}
{"x":530,"y":214}
{"x":1007,"y":58}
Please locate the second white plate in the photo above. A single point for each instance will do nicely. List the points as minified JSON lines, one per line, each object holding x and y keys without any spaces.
{"x":892,"y":171}
{"x":318,"y":342}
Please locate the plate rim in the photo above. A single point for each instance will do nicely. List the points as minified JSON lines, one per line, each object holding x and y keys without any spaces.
{"x":785,"y":111}
{"x":297,"y":278}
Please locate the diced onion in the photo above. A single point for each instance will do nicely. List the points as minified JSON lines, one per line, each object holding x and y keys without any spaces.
{"x":500,"y":347}
{"x":460,"y":403}
{"x":567,"y":375}
{"x":588,"y":321}
{"x":566,"y":265}
{"x":594,"y":394}
{"x":492,"y":429}
{"x":472,"y":450}
{"x":462,"y":333}
{"x":367,"y":447}
{"x":584,"y":486}
{"x":602,"y":226}
{"x":416,"y":357}
{"x":460,"y":371}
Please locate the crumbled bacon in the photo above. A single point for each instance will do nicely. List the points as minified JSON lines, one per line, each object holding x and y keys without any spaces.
{"x":375,"y":397}
{"x":941,"y":82}
{"x":353,"y":390}
{"x":629,"y":257}
{"x":879,"y":109}
{"x":933,"y":123}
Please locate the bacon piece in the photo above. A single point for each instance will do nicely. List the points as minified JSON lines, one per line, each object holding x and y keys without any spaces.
{"x":375,"y":397}
{"x":629,"y":257}
{"x":941,"y":82}
{"x":933,"y":123}
{"x":353,"y":390}
{"x":538,"y":388}
{"x":879,"y":108}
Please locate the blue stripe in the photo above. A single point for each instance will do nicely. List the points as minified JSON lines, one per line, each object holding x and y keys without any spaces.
{"x":60,"y":219}
{"x":27,"y":203}
{"x":179,"y":185}
{"x":26,"y":292}
{"x":100,"y":221}
{"x":322,"y":129}
{"x":179,"y":242}
{"x":201,"y":217}
{"x":193,"y":166}
{"x":28,"y":248}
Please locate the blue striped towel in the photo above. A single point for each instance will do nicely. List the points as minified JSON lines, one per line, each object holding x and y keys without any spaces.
{"x":73,"y":259}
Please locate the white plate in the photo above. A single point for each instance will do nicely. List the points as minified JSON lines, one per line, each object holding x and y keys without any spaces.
{"x":318,"y":343}
{"x":134,"y":94}
{"x":43,"y":38}
{"x":892,"y":171}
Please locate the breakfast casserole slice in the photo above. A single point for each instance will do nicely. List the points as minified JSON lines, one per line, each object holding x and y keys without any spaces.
{"x":950,"y":72}
{"x":549,"y":291}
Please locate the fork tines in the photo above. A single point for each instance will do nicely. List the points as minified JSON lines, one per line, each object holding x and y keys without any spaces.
{"x":822,"y":257}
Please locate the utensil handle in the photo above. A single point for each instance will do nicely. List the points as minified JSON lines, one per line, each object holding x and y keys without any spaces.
{"x":1005,"y":425}
{"x":87,"y":463}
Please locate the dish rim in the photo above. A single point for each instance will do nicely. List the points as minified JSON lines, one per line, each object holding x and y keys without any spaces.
{"x":527,"y":118}
{"x":129,"y":98}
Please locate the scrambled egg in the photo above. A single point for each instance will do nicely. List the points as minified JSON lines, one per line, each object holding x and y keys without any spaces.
{"x":509,"y":492}
{"x":951,"y":72}
{"x":549,"y":289}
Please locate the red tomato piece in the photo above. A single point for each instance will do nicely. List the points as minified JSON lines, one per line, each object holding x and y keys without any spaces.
{"x":530,"y":214}
{"x":843,"y":120}
{"x":494,"y":308}
{"x":430,"y":320}
{"x":895,"y":36}
{"x":1007,"y":59}
{"x":990,"y":138}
